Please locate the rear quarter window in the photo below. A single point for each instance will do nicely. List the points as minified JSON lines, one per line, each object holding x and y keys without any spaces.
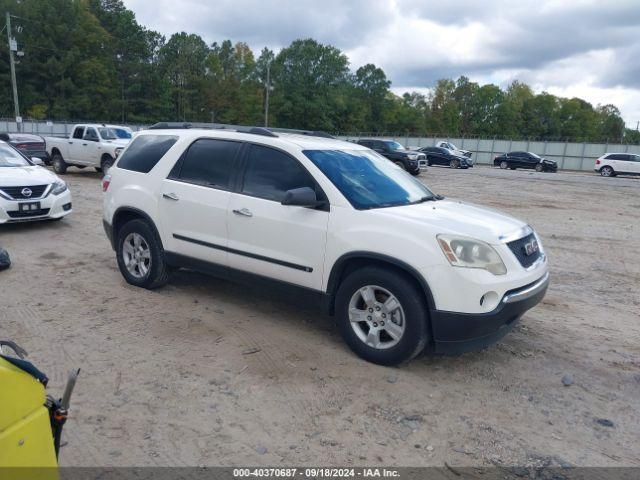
{"x":145,"y":152}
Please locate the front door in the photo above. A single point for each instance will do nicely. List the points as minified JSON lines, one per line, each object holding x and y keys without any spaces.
{"x":75,"y":145}
{"x":194,"y":200}
{"x":270,"y":239}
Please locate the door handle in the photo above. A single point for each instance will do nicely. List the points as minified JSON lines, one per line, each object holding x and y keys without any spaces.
{"x":84,"y":144}
{"x":245,"y":212}
{"x":170,"y":196}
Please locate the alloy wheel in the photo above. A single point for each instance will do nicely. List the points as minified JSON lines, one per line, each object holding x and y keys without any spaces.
{"x":377,"y":317}
{"x":136,"y":255}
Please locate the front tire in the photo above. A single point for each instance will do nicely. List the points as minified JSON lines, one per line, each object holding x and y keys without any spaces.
{"x":539,"y":168}
{"x":382,"y":315}
{"x":454,"y":164}
{"x":607,"y":171}
{"x":59,"y":165}
{"x":140,"y":255}
{"x":401,"y":165}
{"x":504,"y":165}
{"x":106,"y":164}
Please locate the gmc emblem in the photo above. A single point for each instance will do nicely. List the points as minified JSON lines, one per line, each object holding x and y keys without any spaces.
{"x":531,"y":247}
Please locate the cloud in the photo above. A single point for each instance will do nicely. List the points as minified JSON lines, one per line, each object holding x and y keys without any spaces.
{"x":559,"y":46}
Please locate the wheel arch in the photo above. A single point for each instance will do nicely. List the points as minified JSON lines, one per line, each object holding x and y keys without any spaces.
{"x":349,"y":262}
{"x":125,"y":214}
{"x":56,"y":151}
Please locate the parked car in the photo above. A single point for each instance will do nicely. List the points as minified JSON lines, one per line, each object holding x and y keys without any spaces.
{"x":515,"y":160}
{"x":410,"y":160}
{"x":452,"y":148}
{"x":29,"y":144}
{"x":330,"y":221}
{"x":122,"y":132}
{"x":442,"y":156}
{"x":29,"y":191}
{"x":611,"y":164}
{"x":90,"y":145}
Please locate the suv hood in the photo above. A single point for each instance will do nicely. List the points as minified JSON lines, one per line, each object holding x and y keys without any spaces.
{"x":23,"y":176}
{"x":457,"y":218}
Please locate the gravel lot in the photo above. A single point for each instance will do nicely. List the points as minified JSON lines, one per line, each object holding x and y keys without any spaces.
{"x":204,"y":372}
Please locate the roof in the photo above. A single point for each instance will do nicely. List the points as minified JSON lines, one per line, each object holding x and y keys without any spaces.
{"x":303,"y":139}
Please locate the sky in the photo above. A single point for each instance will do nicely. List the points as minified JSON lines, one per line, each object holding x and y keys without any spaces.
{"x":570,"y":48}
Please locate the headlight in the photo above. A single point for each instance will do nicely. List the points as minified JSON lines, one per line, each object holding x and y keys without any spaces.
{"x":59,"y":187}
{"x":470,"y":253}
{"x":412,"y":156}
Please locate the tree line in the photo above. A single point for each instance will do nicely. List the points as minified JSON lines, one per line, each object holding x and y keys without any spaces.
{"x":91,"y":60}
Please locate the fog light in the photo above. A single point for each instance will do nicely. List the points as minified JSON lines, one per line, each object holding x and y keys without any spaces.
{"x":489,"y":301}
{"x":66,"y":207}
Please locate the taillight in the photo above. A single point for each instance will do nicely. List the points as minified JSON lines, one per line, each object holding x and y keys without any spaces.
{"x":21,"y":146}
{"x":106,"y":181}
{"x":597,"y":161}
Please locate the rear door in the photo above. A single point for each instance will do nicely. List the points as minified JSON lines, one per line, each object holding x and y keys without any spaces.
{"x":267,"y":238}
{"x":195,"y":197}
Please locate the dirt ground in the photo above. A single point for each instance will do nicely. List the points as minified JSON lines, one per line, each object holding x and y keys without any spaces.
{"x":169,"y":377}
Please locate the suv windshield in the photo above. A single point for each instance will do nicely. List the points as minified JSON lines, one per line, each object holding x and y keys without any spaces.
{"x":369,"y":180}
{"x":107,"y":134}
{"x":11,"y":158}
{"x":534,"y":155}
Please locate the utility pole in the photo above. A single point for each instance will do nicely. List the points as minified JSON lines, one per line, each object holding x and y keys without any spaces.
{"x":266,"y":103}
{"x":13,"y":47}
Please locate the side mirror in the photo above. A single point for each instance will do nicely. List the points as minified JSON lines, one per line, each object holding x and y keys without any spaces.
{"x":301,"y":197}
{"x":37,"y":161}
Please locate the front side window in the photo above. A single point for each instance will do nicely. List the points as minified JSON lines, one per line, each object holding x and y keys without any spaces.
{"x":209,"y":162}
{"x":90,"y":134}
{"x":269,"y":173}
{"x":107,"y":134}
{"x":368,"y":180}
{"x":9,"y":157}
{"x":145,"y":152}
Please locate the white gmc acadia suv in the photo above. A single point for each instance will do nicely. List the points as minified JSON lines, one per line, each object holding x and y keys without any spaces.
{"x":399,"y":266}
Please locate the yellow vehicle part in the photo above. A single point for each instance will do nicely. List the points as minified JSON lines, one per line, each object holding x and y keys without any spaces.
{"x":26,"y":439}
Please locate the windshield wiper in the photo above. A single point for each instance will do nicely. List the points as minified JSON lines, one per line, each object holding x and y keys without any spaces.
{"x":428,"y":198}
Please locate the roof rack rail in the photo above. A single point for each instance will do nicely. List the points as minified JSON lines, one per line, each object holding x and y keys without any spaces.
{"x":264,"y":131}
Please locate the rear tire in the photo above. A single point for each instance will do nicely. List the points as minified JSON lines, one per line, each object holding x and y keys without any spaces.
{"x":59,"y":165}
{"x":607,"y":171}
{"x":140,"y":255}
{"x":408,"y":319}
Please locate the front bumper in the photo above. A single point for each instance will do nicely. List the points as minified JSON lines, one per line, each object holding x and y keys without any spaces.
{"x":455,"y":332}
{"x":51,"y":207}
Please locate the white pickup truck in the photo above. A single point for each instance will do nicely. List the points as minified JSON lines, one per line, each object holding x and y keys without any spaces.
{"x":89,"y":145}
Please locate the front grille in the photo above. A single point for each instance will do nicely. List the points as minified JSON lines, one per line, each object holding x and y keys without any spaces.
{"x":518,"y":249}
{"x":16,"y":192}
{"x":32,"y":213}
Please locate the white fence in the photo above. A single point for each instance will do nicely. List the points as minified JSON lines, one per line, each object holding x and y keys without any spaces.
{"x":50,"y":129}
{"x":570,"y":156}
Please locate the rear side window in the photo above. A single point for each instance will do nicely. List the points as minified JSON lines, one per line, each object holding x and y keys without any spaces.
{"x":617,"y":156}
{"x":78,"y":132}
{"x":269,"y":173}
{"x":208,"y":162}
{"x":145,"y":152}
